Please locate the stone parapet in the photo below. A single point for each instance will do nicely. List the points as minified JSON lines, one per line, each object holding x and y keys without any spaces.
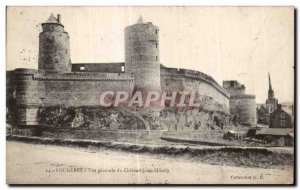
{"x":243,"y":96}
{"x":184,"y":73}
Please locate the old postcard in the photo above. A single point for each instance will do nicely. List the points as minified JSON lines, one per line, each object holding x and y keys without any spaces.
{"x":150,"y":95}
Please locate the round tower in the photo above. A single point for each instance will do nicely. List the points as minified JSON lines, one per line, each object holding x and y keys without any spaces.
{"x":26,"y":95}
{"x":243,"y":107}
{"x":54,"y":47}
{"x":142,"y":55}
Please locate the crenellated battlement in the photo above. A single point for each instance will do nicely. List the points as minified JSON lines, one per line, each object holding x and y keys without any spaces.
{"x":80,"y":79}
{"x":36,"y":75}
{"x":84,"y":77}
{"x":243,"y":96}
{"x":24,"y":72}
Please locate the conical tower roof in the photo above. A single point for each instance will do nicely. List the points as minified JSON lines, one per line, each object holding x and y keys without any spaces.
{"x":140,"y":21}
{"x":52,"y":20}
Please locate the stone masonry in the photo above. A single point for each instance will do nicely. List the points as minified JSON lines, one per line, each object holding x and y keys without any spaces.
{"x":58,"y":82}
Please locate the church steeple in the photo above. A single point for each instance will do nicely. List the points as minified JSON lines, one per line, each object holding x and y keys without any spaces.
{"x":270,"y":85}
{"x":270,"y":92}
{"x":271,"y":102}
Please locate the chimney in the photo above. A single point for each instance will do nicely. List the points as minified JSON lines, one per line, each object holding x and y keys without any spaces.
{"x":59,"y":18}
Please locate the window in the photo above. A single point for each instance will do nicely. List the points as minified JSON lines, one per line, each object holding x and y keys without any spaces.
{"x":282,"y":123}
{"x":156,"y":58}
{"x":122,"y":68}
{"x":282,"y":115}
{"x":156,"y":31}
{"x":156,"y":45}
{"x":82,"y":68}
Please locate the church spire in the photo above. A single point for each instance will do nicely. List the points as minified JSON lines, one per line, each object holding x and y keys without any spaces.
{"x":270,"y":92}
{"x":271,"y":102}
{"x":270,"y":85}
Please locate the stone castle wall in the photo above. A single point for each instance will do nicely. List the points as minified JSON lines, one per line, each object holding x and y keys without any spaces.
{"x":211,"y":94}
{"x":80,"y":89}
{"x":172,"y":79}
{"x":31,"y":89}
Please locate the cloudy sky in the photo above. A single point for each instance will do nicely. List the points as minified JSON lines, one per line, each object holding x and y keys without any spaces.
{"x":228,"y":43}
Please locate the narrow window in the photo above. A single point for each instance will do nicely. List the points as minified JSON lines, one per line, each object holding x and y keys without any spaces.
{"x":82,"y":68}
{"x":56,"y":60}
{"x":156,"y":58}
{"x":156,"y":31}
{"x":282,"y":123}
{"x":156,"y":45}
{"x":122,"y":69}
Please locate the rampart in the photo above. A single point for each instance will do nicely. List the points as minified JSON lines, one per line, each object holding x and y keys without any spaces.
{"x":30,"y":89}
{"x":184,"y":80}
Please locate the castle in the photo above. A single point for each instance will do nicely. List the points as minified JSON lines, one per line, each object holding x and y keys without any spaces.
{"x":58,"y":82}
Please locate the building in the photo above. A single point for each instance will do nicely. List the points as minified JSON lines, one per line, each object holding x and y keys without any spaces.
{"x":271,"y":102}
{"x":58,"y":82}
{"x":262,"y":115}
{"x":276,"y":136}
{"x":265,"y":110}
{"x":281,"y":118}
{"x":242,"y":106}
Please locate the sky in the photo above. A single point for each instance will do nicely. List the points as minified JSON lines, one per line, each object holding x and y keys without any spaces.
{"x":228,"y":43}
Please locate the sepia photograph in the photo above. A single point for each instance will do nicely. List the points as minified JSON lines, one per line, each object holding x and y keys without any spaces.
{"x":150,"y":95}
